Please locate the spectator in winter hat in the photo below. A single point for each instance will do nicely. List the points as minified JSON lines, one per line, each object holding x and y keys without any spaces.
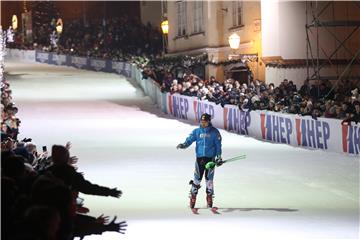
{"x":262,"y":88}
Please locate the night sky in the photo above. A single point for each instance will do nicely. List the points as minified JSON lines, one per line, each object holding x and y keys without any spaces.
{"x":74,"y":9}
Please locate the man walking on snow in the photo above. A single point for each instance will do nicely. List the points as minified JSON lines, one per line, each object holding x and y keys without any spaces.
{"x":208,"y":148}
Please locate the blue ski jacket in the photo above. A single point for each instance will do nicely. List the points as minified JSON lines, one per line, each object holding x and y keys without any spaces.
{"x":208,"y":141}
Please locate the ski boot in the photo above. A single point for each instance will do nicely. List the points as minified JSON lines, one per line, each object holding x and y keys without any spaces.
{"x":193,"y":193}
{"x":209,"y":200}
{"x":192,"y":200}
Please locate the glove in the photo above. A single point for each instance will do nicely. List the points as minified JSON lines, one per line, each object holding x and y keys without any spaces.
{"x":115,"y":193}
{"x":218,"y":161}
{"x":181,"y":146}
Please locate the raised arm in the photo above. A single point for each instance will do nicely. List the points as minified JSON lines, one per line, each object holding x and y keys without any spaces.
{"x":189,"y":140}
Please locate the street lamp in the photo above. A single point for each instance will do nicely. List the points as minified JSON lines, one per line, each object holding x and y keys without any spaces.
{"x":165,"y":27}
{"x":59,"y":26}
{"x":165,"y":31}
{"x":14,"y":22}
{"x":234,"y":41}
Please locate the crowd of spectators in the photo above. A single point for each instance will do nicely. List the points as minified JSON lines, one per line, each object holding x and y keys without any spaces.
{"x":39,"y":192}
{"x":9,"y":122}
{"x":127,"y":39}
{"x":118,"y":38}
{"x":315,"y":100}
{"x":115,"y":38}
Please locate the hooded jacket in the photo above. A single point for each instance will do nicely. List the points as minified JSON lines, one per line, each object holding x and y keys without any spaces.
{"x":208,"y":141}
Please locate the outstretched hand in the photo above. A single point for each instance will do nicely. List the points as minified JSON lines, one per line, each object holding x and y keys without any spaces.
{"x":181,"y":146}
{"x":102,"y":219}
{"x":114,"y":192}
{"x":73,"y":160}
{"x":68,"y":145}
{"x":117,"y":227}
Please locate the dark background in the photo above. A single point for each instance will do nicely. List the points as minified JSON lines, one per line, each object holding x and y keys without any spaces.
{"x":73,"y":10}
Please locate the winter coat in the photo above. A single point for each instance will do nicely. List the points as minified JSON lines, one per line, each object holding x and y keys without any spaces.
{"x":76,"y":180}
{"x":208,"y":141}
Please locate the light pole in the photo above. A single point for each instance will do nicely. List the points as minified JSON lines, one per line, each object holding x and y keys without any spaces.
{"x":165,"y":31}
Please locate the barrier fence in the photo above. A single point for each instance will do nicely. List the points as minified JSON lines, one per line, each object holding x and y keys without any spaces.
{"x":299,"y":131}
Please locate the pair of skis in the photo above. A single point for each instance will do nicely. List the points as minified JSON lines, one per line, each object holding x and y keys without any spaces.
{"x":214,"y":210}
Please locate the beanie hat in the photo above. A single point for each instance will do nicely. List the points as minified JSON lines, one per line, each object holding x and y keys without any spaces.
{"x":206,"y":117}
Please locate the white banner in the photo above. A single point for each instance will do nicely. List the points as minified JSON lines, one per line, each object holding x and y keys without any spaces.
{"x":97,"y":64}
{"x":323,"y":133}
{"x":29,"y":55}
{"x":236,"y":121}
{"x":58,"y":59}
{"x":190,"y":108}
{"x":20,"y":55}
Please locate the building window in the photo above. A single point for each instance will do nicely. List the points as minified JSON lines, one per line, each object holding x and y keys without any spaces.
{"x":181,"y":18}
{"x":237,"y":13}
{"x":198,"y":16}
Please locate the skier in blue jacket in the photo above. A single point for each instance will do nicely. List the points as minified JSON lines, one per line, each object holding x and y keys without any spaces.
{"x":208,"y":148}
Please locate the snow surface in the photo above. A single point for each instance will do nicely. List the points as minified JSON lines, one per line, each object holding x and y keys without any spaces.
{"x":124,"y":141}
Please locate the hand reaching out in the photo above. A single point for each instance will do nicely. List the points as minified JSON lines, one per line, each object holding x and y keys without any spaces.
{"x":114,"y":192}
{"x":102,"y":220}
{"x":68,"y":145}
{"x":73,"y":160}
{"x":181,"y":146}
{"x":117,"y":227}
